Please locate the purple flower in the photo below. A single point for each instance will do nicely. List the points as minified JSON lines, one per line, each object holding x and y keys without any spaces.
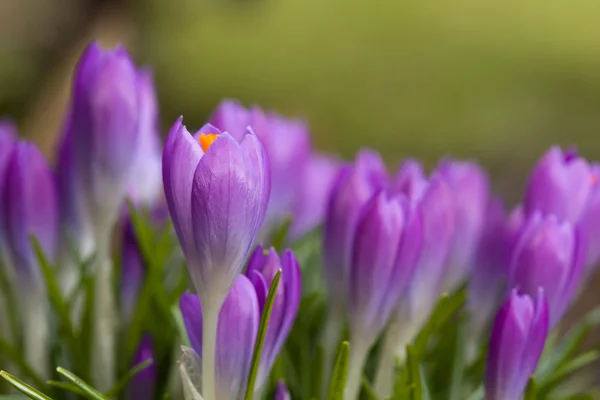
{"x":262,"y":267}
{"x":133,"y":269}
{"x":518,"y":337}
{"x":237,"y":328}
{"x":559,"y":184}
{"x":145,"y":180}
{"x":281,"y":392}
{"x":433,"y":199}
{"x":287,"y":144}
{"x":316,"y":182}
{"x":217,"y":191}
{"x":105,"y":124}
{"x":29,"y":209}
{"x":8,"y":133}
{"x":353,"y":187}
{"x":386,"y":248}
{"x":471,"y":190}
{"x":548,"y":254}
{"x":143,"y":385}
{"x":488,"y":279}
{"x":411,"y":180}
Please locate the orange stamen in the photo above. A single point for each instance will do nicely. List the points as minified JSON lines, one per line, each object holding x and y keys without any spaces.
{"x":206,"y":139}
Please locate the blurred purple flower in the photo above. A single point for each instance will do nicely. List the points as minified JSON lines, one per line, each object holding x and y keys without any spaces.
{"x":143,"y":385}
{"x":518,"y":336}
{"x":549,"y":254}
{"x":29,"y":208}
{"x":281,"y":392}
{"x":8,"y":140}
{"x":559,"y":184}
{"x":471,"y":191}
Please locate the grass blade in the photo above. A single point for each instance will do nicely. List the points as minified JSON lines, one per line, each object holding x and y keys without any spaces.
{"x":340,"y":374}
{"x":414,"y":374}
{"x":530,"y":391}
{"x":69,"y":387}
{"x":77,"y":381}
{"x":15,"y":356}
{"x":24,"y":388}
{"x":260,"y":337}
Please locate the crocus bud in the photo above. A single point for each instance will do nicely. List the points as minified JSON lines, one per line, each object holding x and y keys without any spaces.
{"x":559,"y":184}
{"x":316,"y":182}
{"x":143,"y":385}
{"x":217,"y":191}
{"x":436,"y":206}
{"x":488,"y":279}
{"x":549,"y":254}
{"x":386,"y":248}
{"x":237,"y":327}
{"x":262,"y":268}
{"x":106,"y":124}
{"x":518,"y":337}
{"x":281,"y":392}
{"x":145,"y":180}
{"x":7,"y":143}
{"x":411,"y":180}
{"x":353,"y":187}
{"x":287,"y":144}
{"x":470,"y":190}
{"x":133,"y":269}
{"x":30,"y":209}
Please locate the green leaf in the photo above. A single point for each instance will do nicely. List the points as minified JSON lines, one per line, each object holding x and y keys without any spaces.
{"x":477,"y":394}
{"x":415,"y":389}
{"x":58,"y":302}
{"x":85,"y":387}
{"x":530,"y":391}
{"x":446,"y":307}
{"x":280,"y":235}
{"x":24,"y":388}
{"x":554,"y":357}
{"x":15,"y":356}
{"x":127,"y":377}
{"x":368,"y":389}
{"x":69,"y":387}
{"x":567,"y":369}
{"x":340,"y":374}
{"x":262,"y":333}
{"x":11,"y":303}
{"x":458,"y":361}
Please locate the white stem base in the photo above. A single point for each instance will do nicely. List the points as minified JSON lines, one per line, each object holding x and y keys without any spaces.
{"x":210,"y":320}
{"x":358,"y":355}
{"x":35,"y":331}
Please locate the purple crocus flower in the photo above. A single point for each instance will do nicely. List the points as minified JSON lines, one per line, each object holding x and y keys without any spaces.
{"x":287,"y":144}
{"x":133,"y":269}
{"x":105,"y":125}
{"x":518,"y":337}
{"x":549,"y":254}
{"x":386,"y":248}
{"x":471,"y":190}
{"x":29,"y":202}
{"x":559,"y":184}
{"x":488,"y":279}
{"x":281,"y":392}
{"x":145,"y":180}
{"x":8,"y":133}
{"x":352,"y":189}
{"x":316,"y":182}
{"x":143,"y":385}
{"x":262,"y":267}
{"x":217,"y":191}
{"x":237,"y":327}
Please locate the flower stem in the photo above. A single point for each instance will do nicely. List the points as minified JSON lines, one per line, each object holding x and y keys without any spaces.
{"x":210,"y":320}
{"x":331,"y":341}
{"x":359,"y":350}
{"x":103,"y":354}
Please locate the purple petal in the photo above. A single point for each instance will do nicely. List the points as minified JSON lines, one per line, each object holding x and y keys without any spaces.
{"x":133,"y":269}
{"x":281,"y":393}
{"x":191,"y":311}
{"x":143,"y":385}
{"x":411,"y":180}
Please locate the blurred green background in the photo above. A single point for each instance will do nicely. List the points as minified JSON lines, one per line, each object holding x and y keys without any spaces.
{"x":496,"y":81}
{"x":499,"y":81}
